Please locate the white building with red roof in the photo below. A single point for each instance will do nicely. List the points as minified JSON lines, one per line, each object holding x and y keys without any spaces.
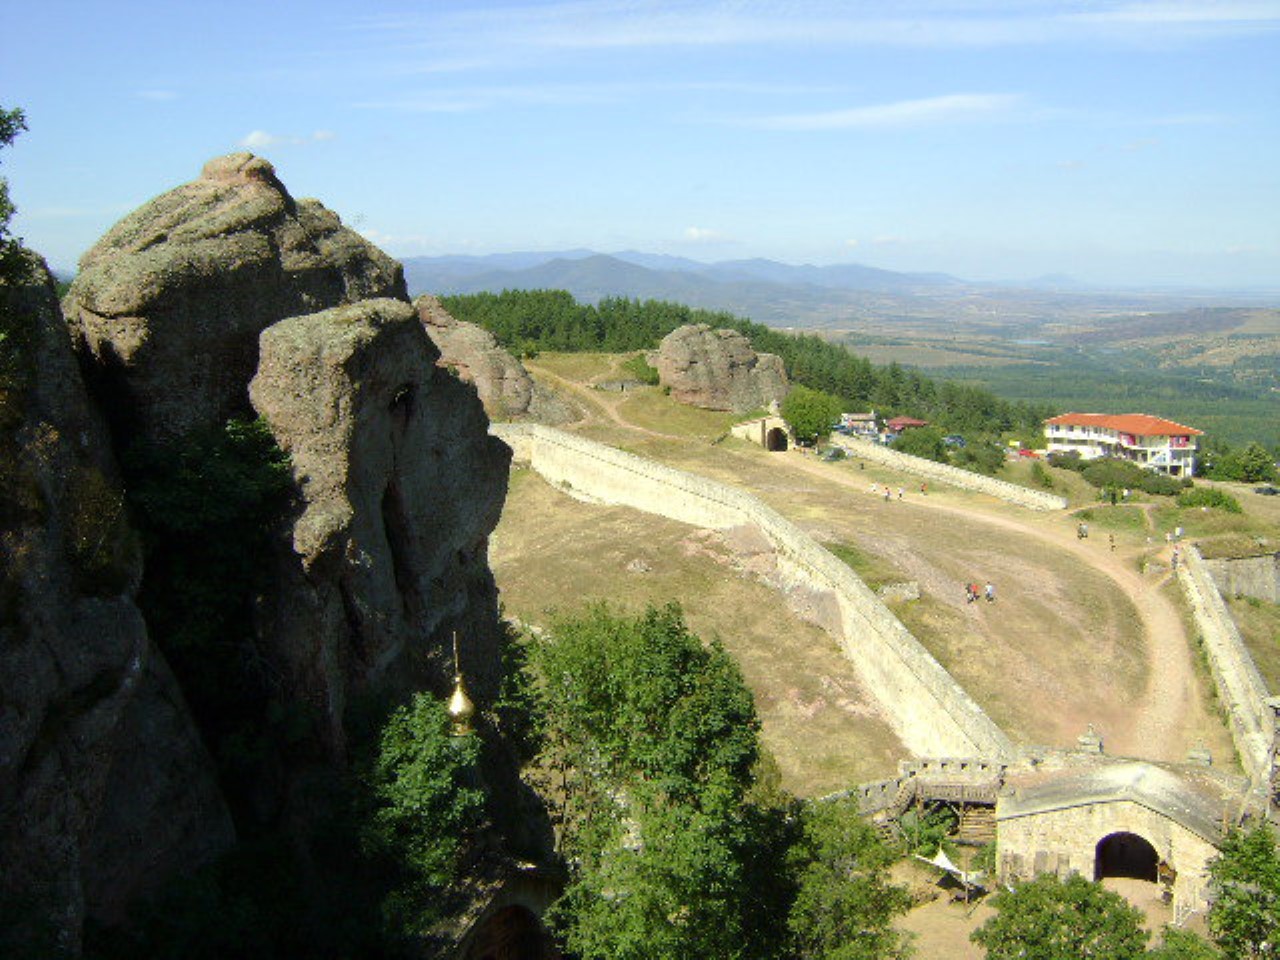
{"x":1150,"y":442}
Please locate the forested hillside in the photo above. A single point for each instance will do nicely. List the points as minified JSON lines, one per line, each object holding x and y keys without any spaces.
{"x":528,"y":321}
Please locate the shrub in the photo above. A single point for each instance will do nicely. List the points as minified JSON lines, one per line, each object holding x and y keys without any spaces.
{"x":1208,"y":497}
{"x":639,"y":368}
{"x":1108,"y":472}
{"x":979,"y":458}
{"x":1041,"y":476}
{"x":923,"y":442}
{"x":1069,"y":460}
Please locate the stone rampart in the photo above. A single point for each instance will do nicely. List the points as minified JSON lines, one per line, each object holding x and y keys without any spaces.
{"x":1257,"y":577}
{"x":928,"y":710}
{"x":954,"y":476}
{"x":1241,"y":689}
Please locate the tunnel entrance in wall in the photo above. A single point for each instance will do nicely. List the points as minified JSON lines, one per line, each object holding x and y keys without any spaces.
{"x":512,"y":933}
{"x":775,"y":440}
{"x":1126,"y":855}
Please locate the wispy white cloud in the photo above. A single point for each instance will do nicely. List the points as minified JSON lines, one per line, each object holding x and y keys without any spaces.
{"x":259,"y":139}
{"x":950,"y":108}
{"x":703,"y":235}
{"x":616,"y":24}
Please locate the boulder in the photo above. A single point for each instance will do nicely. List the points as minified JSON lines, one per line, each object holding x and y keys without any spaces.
{"x":473,"y":355}
{"x":170,"y":302}
{"x":718,"y":370}
{"x":401,"y":485}
{"x":105,"y":786}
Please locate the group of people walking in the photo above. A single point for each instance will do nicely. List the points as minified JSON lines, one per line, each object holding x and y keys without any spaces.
{"x":972,"y":592}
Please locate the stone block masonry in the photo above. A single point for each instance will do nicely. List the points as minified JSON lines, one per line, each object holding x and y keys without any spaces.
{"x":1257,"y":577}
{"x":928,"y":709}
{"x":954,"y":476}
{"x":1241,"y":689}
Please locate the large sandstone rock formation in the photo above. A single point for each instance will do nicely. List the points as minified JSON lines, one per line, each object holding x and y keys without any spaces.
{"x":401,"y":485}
{"x":472,"y":353}
{"x":105,"y":787}
{"x":171,"y":300}
{"x":719,"y":370}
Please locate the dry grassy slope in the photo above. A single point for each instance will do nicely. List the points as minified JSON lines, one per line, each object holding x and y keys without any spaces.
{"x":1077,"y":635}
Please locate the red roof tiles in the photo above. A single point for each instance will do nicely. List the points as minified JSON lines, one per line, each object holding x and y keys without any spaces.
{"x":1138,"y":424}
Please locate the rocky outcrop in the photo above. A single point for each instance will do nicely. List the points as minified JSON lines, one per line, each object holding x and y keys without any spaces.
{"x":170,"y":302}
{"x":474,"y":356}
{"x":223,"y":298}
{"x":718,"y":370}
{"x":400,"y":485}
{"x":105,"y":787}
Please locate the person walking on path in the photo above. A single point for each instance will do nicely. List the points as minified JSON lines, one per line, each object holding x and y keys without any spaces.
{"x":990,"y":592}
{"x":900,"y":492}
{"x":1111,"y":539}
{"x":1082,"y":531}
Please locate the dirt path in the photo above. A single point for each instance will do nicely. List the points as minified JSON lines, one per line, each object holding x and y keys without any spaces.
{"x":594,"y":398}
{"x":1171,"y":705}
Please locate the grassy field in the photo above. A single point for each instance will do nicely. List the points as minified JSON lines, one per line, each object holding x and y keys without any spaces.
{"x":1259,"y":623}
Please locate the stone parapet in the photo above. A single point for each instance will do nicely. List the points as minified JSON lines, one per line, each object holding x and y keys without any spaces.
{"x":1257,"y":577}
{"x":926,"y":707}
{"x":1241,"y":689}
{"x":954,"y":476}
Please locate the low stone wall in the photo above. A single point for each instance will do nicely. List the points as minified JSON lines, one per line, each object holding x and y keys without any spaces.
{"x":954,"y":476}
{"x":1257,"y":577}
{"x":1241,"y":689}
{"x":928,"y":710}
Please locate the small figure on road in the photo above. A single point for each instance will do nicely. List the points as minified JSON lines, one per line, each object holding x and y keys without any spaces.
{"x":900,"y":492}
{"x":970,"y":592}
{"x":989,"y":591}
{"x":1082,"y":532}
{"x":1111,"y":539}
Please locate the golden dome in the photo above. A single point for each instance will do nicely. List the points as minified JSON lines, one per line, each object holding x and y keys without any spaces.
{"x":461,"y":709}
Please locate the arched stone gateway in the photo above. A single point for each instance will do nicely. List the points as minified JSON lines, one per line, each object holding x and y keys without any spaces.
{"x":511,"y":933}
{"x":775,"y":440}
{"x":1126,"y":854}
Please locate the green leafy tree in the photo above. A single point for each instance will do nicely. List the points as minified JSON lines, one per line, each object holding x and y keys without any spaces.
{"x":1209,"y":497}
{"x":652,"y":737}
{"x":12,"y":122}
{"x":923,"y":442}
{"x":428,"y":808}
{"x":1245,"y":918}
{"x":845,"y":905}
{"x":1183,"y":945}
{"x":1052,"y":919}
{"x":1256,"y":464}
{"x":811,"y":413}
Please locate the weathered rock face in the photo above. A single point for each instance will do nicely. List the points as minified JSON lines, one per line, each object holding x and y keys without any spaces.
{"x":105,"y":786}
{"x":718,"y":370}
{"x":474,"y":356}
{"x":401,"y":486}
{"x":170,"y":302}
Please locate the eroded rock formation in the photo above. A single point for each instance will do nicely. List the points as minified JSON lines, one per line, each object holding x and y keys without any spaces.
{"x":474,"y":356}
{"x":105,"y":786}
{"x":400,"y":484}
{"x":718,"y":370}
{"x":170,"y":302}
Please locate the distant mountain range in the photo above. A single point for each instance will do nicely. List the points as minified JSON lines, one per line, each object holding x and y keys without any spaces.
{"x":765,"y":289}
{"x":781,"y":294}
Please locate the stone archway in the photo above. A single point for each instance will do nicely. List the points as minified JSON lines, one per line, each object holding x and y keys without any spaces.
{"x":1126,"y":855}
{"x":512,"y":933}
{"x":776,"y":440}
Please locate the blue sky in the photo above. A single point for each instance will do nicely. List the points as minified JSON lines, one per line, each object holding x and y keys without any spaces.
{"x":1119,"y":142}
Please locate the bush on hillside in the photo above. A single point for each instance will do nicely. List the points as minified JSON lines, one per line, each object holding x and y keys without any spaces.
{"x":639,"y":368}
{"x":985,"y":458}
{"x":1208,"y":497}
{"x":923,"y":442}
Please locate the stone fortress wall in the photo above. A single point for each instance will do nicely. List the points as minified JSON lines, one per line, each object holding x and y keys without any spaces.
{"x":927,"y":708}
{"x":945,"y":473}
{"x":1257,"y":577}
{"x":1241,"y":689}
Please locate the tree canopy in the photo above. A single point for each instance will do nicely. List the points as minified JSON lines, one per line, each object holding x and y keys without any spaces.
{"x":811,"y":413}
{"x":1050,"y":919}
{"x":1245,"y":917}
